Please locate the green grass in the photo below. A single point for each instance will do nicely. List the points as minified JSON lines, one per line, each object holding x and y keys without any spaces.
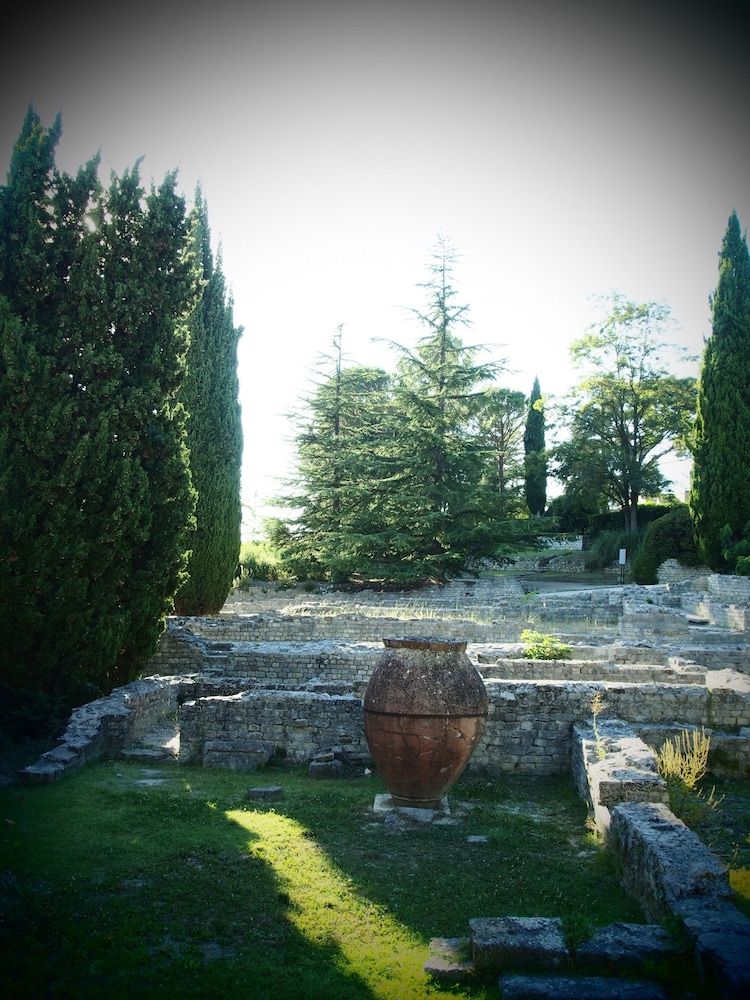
{"x":115,"y":886}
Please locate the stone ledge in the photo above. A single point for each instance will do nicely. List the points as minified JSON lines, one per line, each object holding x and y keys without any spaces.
{"x":671,"y":872}
{"x":613,"y":768}
{"x":577,"y":988}
{"x":533,"y":943}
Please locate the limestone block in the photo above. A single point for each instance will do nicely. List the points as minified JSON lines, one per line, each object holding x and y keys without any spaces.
{"x":664,"y":863}
{"x":449,"y":960}
{"x":579,"y":988}
{"x":626,"y":948}
{"x":533,"y":943}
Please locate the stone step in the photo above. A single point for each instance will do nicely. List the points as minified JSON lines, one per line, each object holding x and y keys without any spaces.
{"x":449,"y":960}
{"x":577,"y":988}
{"x":146,"y":754}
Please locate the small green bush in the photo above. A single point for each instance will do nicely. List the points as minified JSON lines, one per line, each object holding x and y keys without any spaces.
{"x":670,"y":537}
{"x":742,"y":567}
{"x":540,"y":646}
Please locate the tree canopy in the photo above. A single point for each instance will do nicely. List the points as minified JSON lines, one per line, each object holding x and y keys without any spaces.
{"x":95,"y":285}
{"x":535,"y":456}
{"x":627,"y":412}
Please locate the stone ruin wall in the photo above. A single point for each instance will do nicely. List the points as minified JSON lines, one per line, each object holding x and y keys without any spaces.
{"x":530,"y":722}
{"x":529,"y":725}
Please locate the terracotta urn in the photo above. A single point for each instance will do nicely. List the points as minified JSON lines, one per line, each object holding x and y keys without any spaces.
{"x":425,"y":709}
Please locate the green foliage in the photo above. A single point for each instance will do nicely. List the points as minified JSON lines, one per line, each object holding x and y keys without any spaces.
{"x":392,"y":479}
{"x":720,"y":487}
{"x":540,"y":646}
{"x":669,"y":537}
{"x":742,"y":567}
{"x":611,"y":520}
{"x":627,"y":412}
{"x":500,"y":423}
{"x":605,"y":549}
{"x":535,"y":456}
{"x":210,"y":397}
{"x":259,"y":561}
{"x":96,"y":497}
{"x":734,"y":546}
{"x":572,"y":510}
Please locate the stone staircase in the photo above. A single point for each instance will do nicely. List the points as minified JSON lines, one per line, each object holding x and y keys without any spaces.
{"x":533,"y":961}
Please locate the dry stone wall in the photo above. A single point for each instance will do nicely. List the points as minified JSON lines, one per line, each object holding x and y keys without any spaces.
{"x":295,"y":724}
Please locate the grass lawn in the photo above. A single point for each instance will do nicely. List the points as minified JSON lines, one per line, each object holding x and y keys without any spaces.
{"x":124,"y":881}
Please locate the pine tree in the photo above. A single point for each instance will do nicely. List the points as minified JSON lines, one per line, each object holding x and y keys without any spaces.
{"x":342,"y":530}
{"x":445,"y":508}
{"x":720,"y":488}
{"x":535,"y":454}
{"x":501,"y":422}
{"x":94,"y":493}
{"x":210,"y":397}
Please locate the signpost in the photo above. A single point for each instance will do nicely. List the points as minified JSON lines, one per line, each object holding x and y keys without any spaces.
{"x":622,"y":560}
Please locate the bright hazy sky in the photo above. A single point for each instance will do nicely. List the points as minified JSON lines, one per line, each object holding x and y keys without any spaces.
{"x":567,"y":149}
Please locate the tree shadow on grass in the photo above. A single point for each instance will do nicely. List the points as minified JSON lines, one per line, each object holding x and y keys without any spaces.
{"x":196,"y":913}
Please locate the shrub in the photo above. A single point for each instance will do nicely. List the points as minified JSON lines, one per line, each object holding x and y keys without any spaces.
{"x":258,"y":561}
{"x":612,"y":520}
{"x":670,"y":537}
{"x":743,"y":566}
{"x":606,"y":548}
{"x":543,"y":647}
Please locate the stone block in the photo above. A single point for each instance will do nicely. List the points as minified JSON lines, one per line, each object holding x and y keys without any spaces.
{"x":326,"y":769}
{"x":236,"y":760}
{"x":265,"y":793}
{"x":624,"y":948}
{"x":531,"y":943}
{"x":449,"y":960}
{"x":577,"y":988}
{"x":664,"y":863}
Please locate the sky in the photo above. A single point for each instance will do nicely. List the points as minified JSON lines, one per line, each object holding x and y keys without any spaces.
{"x":567,"y":149}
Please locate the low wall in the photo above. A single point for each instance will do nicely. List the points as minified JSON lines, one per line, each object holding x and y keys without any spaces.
{"x":295,"y":723}
{"x":104,"y":727}
{"x":529,"y":725}
{"x":592,"y":670}
{"x":673,"y":874}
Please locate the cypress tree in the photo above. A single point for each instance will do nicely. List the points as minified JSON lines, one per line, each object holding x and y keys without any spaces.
{"x":210,"y":397}
{"x":93,"y":477}
{"x":535,"y":455}
{"x":720,"y":487}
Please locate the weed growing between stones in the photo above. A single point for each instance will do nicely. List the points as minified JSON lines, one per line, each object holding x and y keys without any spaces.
{"x":683,"y":762}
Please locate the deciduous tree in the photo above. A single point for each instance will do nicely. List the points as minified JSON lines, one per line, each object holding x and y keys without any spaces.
{"x":627,"y":412}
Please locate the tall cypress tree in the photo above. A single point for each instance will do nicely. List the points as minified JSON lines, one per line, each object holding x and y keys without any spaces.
{"x":94,"y":493}
{"x":210,"y":397}
{"x":535,"y":455}
{"x":720,"y":488}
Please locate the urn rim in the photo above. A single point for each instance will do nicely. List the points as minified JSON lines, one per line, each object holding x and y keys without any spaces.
{"x":435,"y":643}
